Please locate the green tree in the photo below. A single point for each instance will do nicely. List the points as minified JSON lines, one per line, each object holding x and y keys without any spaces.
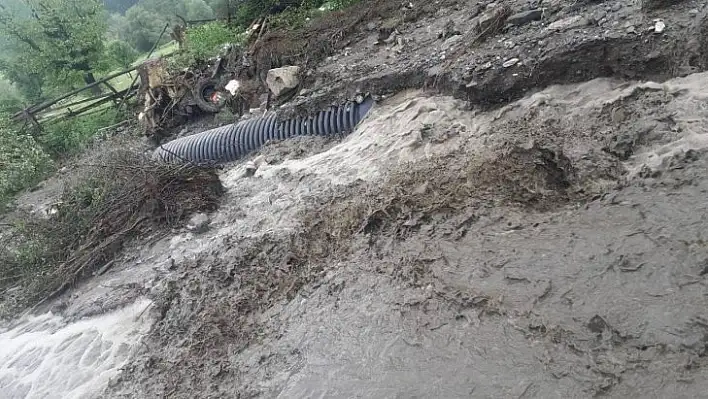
{"x":196,"y":10}
{"x":144,"y":27}
{"x":120,"y":54}
{"x":60,"y":39}
{"x":118,"y":27}
{"x":221,"y":8}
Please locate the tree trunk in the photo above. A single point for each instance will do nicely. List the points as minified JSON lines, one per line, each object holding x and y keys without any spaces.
{"x":89,"y":78}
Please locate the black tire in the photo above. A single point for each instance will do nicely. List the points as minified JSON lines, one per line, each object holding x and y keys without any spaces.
{"x":199,"y":91}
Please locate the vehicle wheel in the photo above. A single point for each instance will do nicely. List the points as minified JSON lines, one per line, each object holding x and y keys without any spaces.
{"x":202,"y":95}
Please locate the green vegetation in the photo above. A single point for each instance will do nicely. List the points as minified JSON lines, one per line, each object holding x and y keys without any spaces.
{"x":23,"y":162}
{"x":66,"y":138}
{"x":48,"y":47}
{"x":205,"y":41}
{"x":119,"y":55}
{"x":56,"y":40}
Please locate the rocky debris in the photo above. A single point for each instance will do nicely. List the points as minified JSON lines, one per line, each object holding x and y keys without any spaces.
{"x":491,"y":21}
{"x":550,"y":56}
{"x":449,"y":30}
{"x":659,"y":26}
{"x":524,"y":17}
{"x":510,"y":62}
{"x":575,"y":21}
{"x":283,"y":80}
{"x":252,"y":166}
{"x":199,"y":223}
{"x":648,"y":5}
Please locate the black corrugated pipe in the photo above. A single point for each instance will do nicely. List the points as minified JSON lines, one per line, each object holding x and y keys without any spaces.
{"x":231,"y":142}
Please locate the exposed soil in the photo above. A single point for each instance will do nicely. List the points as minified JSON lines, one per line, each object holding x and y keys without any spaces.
{"x":529,"y":251}
{"x":441,"y":46}
{"x":491,"y":229}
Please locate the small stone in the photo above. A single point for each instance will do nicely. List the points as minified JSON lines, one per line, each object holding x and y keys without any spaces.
{"x":422,"y":189}
{"x":693,"y":12}
{"x":391,"y":38}
{"x":485,"y":20}
{"x":617,"y":115}
{"x":659,"y":26}
{"x":485,"y":66}
{"x":510,"y":62}
{"x":451,"y":42}
{"x":597,"y":324}
{"x":260,"y":161}
{"x":524,"y":17}
{"x":568,"y":23}
{"x":251,"y":169}
{"x":199,"y":223}
{"x":508,"y":44}
{"x":631,"y":29}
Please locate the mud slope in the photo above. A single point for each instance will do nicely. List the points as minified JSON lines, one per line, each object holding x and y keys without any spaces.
{"x":492,"y":52}
{"x":550,"y":248}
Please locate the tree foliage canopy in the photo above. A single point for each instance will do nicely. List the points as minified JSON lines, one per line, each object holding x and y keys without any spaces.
{"x":60,"y":40}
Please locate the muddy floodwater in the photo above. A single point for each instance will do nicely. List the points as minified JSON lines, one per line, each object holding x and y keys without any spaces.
{"x":551,"y":248}
{"x":46,"y":356}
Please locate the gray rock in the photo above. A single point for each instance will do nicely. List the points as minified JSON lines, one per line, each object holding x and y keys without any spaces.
{"x":568,"y":23}
{"x":524,"y":17}
{"x":282,"y":80}
{"x":199,"y":223}
{"x":510,"y":62}
{"x":485,"y":66}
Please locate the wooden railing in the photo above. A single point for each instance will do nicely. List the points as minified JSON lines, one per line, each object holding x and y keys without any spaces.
{"x":51,"y":111}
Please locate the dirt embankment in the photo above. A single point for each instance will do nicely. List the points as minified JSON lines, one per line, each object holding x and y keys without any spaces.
{"x":492,"y":52}
{"x":547,"y":248}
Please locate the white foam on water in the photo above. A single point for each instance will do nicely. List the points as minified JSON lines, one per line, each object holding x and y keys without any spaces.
{"x":46,"y":357}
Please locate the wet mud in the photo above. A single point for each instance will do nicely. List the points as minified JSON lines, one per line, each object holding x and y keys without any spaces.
{"x":489,"y":230}
{"x":551,"y":248}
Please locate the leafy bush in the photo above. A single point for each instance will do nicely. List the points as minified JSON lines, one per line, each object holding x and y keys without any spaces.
{"x":68,"y":137}
{"x":205,"y":41}
{"x":23,"y":163}
{"x":288,"y":14}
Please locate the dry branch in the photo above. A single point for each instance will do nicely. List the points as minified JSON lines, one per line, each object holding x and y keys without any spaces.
{"x":121,"y":196}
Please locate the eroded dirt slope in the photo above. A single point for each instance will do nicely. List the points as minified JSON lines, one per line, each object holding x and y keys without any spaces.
{"x":550,"y":248}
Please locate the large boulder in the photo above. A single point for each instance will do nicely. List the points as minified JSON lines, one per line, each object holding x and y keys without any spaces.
{"x":282,"y":80}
